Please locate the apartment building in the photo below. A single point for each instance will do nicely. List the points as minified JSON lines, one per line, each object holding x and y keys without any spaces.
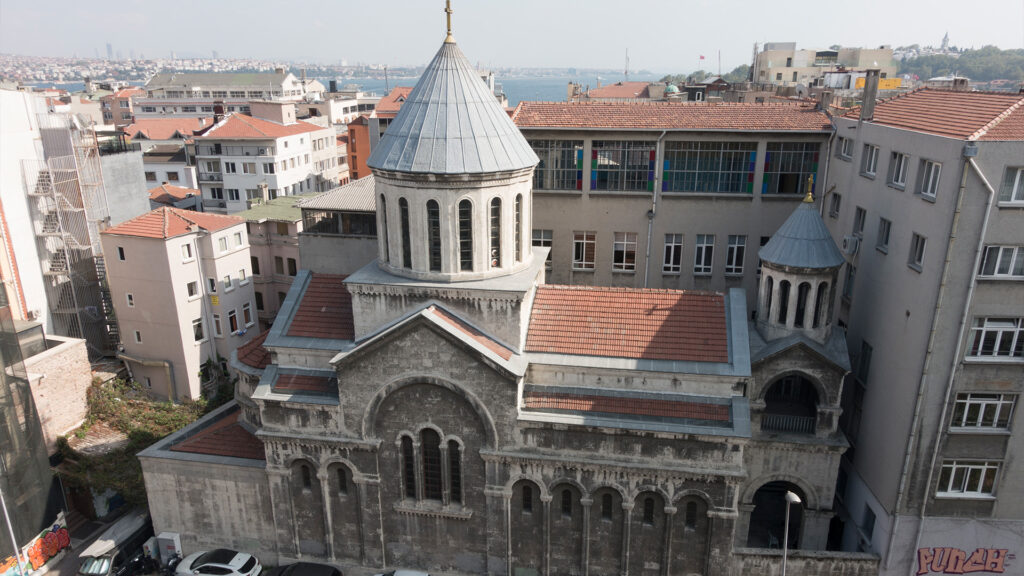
{"x":667,"y":195}
{"x":204,"y":94}
{"x":926,"y":195}
{"x":119,"y":107}
{"x":181,"y":286}
{"x":246,"y":159}
{"x":171,"y":164}
{"x":782,"y":63}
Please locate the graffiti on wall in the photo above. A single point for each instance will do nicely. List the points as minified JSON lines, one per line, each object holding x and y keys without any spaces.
{"x":46,"y":545}
{"x":957,"y":561}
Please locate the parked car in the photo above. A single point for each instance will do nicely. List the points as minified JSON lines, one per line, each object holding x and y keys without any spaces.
{"x":219,"y":562}
{"x":305,"y":569}
{"x":404,"y":573}
{"x":114,"y":552}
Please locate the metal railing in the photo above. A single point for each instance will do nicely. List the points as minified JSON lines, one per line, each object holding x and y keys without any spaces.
{"x":211,"y":177}
{"x":788,"y":423}
{"x":207,"y":150}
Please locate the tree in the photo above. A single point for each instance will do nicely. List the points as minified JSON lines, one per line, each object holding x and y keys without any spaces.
{"x":737,"y":74}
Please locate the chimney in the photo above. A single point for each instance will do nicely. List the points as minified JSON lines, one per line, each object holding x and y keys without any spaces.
{"x":867,"y":107}
{"x":961,"y":84}
{"x":825,"y":100}
{"x":278,"y":70}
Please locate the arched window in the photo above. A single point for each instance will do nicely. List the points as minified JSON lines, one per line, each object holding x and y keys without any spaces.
{"x":606,"y":507}
{"x":430,"y":445}
{"x":342,"y":481}
{"x":768,"y":298}
{"x":819,"y":303}
{"x":496,"y":233}
{"x":783,"y":301}
{"x":455,"y":470}
{"x":566,"y":502}
{"x":408,"y":467}
{"x":384,"y":224}
{"x":519,"y":227}
{"x":466,"y":236}
{"x":434,"y":235}
{"x":691,"y":515}
{"x":403,"y":212}
{"x":307,"y":476}
{"x":802,"y":292}
{"x":648,"y":510}
{"x":527,"y":498}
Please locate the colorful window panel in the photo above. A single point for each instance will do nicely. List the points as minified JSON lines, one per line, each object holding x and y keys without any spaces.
{"x":711,"y":167}
{"x":788,"y":165}
{"x":622,"y":165}
{"x":561,"y":164}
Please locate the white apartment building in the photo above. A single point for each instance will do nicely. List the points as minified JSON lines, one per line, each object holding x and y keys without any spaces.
{"x":181,"y":285}
{"x":203,"y":94}
{"x":245,"y":160}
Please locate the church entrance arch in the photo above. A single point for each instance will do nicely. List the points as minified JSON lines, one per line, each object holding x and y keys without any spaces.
{"x":767,"y":520}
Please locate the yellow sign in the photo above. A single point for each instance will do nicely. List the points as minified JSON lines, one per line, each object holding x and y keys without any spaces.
{"x":883,"y":83}
{"x":215,"y":300}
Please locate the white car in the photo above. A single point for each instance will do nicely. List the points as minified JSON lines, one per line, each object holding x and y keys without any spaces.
{"x":219,"y":562}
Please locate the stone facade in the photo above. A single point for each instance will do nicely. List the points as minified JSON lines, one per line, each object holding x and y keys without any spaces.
{"x":60,"y":378}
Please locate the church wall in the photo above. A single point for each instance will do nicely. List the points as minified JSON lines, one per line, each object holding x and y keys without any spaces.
{"x":633,"y":380}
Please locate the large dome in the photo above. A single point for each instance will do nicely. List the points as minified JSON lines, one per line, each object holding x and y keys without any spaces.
{"x":803,"y":241}
{"x":451,"y":123}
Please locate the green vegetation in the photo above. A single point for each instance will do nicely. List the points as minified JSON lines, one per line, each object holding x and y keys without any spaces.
{"x":982,"y":65}
{"x":126,"y":407}
{"x":737,"y":74}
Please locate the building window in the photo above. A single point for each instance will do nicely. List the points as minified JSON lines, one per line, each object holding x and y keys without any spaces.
{"x":868,"y":523}
{"x":230,"y":168}
{"x":1013,"y":185}
{"x":430,"y":445}
{"x":192,"y":288}
{"x":916,"y":258}
{"x":845,"y":148}
{"x":150,"y":176}
{"x":803,"y":292}
{"x":821,"y":305}
{"x":138,"y":337}
{"x":566,"y":503}
{"x":259,"y":300}
{"x":703,"y":254}
{"x":242,"y":278}
{"x":227,"y":283}
{"x":466,"y":236}
{"x":222,"y":244}
{"x":216,"y":326}
{"x":269,"y":168}
{"x":976,"y":410}
{"x":606,"y":507}
{"x":784,"y":287}
{"x":928,"y":178}
{"x":716,"y":167}
{"x":172,"y":176}
{"x":583,"y":247}
{"x":561,"y":164}
{"x":197,"y":329}
{"x":624,"y":252}
{"x":834,"y":204}
{"x":434,"y":235}
{"x":278,"y":265}
{"x":527,"y":498}
{"x":120,"y":253}
{"x":544,"y":238}
{"x":884,"y":229}
{"x":408,"y":467}
{"x":342,"y":477}
{"x":212,"y":283}
{"x":496,"y":233}
{"x":307,"y":477}
{"x":131,"y":299}
{"x":384,"y":226}
{"x":455,"y":471}
{"x":293,"y":267}
{"x":672,"y":263}
{"x":997,"y":338}
{"x":248,"y":167}
{"x":247,"y":314}
{"x":1003,"y":261}
{"x":788,"y":166}
{"x":859,"y":215}
{"x":232,"y":194}
{"x":649,"y":511}
{"x":898,"y":165}
{"x":518,"y":224}
{"x":734,"y":255}
{"x":403,"y":214}
{"x":967,"y":478}
{"x":869,"y":160}
{"x":255,"y":263}
{"x":232,"y":321}
{"x":622,"y":166}
{"x":690,"y":517}
{"x":237,"y":238}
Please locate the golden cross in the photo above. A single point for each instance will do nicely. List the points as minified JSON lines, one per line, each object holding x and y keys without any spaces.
{"x":810,"y":190}
{"x":448,"y":12}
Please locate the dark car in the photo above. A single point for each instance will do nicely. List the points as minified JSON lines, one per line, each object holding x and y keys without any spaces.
{"x":305,"y":569}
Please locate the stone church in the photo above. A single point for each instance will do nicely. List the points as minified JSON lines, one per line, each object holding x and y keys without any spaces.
{"x":445,"y":409}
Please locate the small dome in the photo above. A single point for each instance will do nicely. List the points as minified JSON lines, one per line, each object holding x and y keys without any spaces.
{"x":671,"y":89}
{"x":803,"y":241}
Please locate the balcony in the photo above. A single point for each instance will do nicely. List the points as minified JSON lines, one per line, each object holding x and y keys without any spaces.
{"x":788,"y":423}
{"x":211,"y":177}
{"x":221,"y":150}
{"x":791,"y":405}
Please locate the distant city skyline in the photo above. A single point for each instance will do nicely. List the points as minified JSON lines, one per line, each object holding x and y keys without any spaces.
{"x":659,"y":36}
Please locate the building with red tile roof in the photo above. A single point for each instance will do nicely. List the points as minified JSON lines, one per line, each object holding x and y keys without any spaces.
{"x":953,"y":114}
{"x":166,"y":130}
{"x":173,"y":196}
{"x":389,"y":105}
{"x":167,"y":222}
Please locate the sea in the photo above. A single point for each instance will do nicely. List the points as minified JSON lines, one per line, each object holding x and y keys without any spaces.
{"x":517,"y":88}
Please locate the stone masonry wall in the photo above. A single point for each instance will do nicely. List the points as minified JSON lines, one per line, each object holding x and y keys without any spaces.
{"x":60,"y":378}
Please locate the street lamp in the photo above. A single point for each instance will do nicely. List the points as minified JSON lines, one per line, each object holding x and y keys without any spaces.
{"x":791,"y":498}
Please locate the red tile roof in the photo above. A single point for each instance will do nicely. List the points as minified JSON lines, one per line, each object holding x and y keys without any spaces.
{"x":165,"y":128}
{"x":166,"y":222}
{"x":253,"y":354}
{"x":392,"y":103}
{"x":226,"y":437}
{"x":621,"y":90}
{"x":129,"y":92}
{"x":626,"y":406}
{"x":325,"y":310}
{"x":305,"y":383}
{"x":472,"y":332}
{"x":169,"y":194}
{"x":629,"y":323}
{"x":242,"y":126}
{"x":955,"y":114}
{"x":732,"y":116}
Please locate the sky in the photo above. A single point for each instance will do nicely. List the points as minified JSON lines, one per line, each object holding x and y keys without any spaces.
{"x":660,"y":35}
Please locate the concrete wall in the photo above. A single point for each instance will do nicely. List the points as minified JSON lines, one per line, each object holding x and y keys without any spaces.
{"x":329,"y":254}
{"x":60,"y":377}
{"x":760,"y":562}
{"x":124,"y":179}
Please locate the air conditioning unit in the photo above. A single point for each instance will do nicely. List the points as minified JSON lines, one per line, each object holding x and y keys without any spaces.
{"x":221,"y":204}
{"x":851,"y":244}
{"x":263,"y":151}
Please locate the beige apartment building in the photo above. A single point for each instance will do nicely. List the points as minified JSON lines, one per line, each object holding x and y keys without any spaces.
{"x":181,"y":284}
{"x":781,"y":63}
{"x":246,"y":159}
{"x":664,"y":194}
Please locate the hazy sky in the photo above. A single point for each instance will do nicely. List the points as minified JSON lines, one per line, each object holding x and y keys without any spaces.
{"x":661,"y":35}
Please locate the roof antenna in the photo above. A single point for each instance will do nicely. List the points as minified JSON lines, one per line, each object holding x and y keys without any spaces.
{"x":448,"y":12}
